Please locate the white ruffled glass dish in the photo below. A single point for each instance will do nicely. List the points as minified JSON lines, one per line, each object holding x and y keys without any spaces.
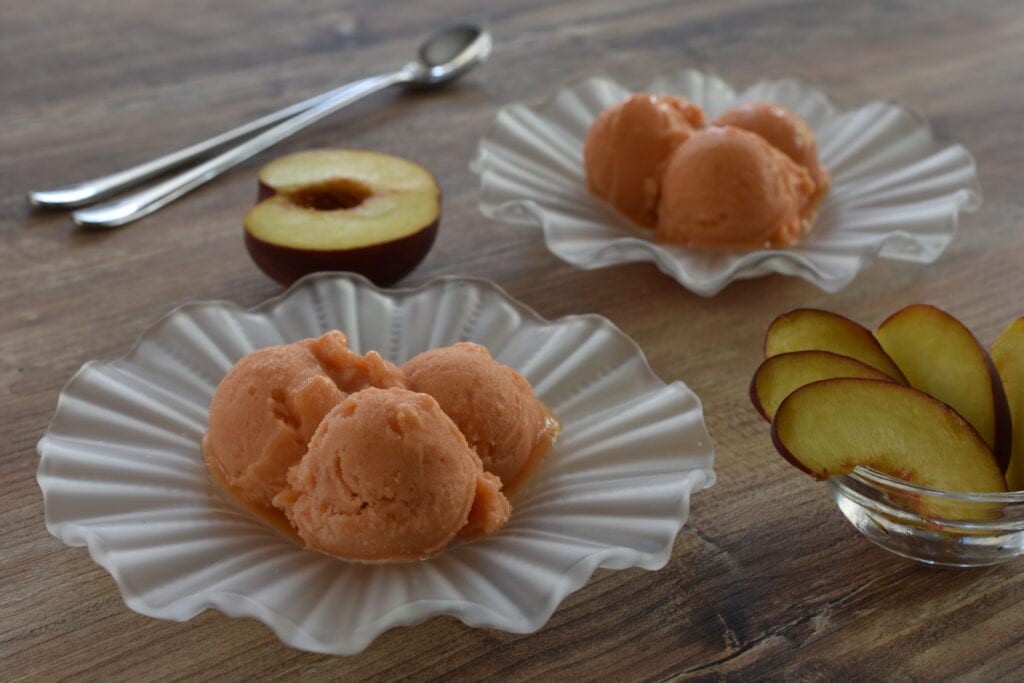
{"x":896,"y":192}
{"x":121,"y":469}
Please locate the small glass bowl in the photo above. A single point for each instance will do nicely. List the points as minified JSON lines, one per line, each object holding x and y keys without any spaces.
{"x":930,"y":525}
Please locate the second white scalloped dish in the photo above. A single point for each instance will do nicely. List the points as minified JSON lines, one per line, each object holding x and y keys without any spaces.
{"x":121,"y":470}
{"x":896,"y":192}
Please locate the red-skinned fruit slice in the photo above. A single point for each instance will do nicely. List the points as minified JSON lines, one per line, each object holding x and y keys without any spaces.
{"x":830,"y":427}
{"x":811,"y":329}
{"x":1008,"y":355}
{"x":939,"y":356}
{"x":781,"y":375}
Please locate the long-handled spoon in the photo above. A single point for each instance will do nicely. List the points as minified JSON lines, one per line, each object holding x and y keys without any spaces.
{"x":89,"y":191}
{"x":443,"y":57}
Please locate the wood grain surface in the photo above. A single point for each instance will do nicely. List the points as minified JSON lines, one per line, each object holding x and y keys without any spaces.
{"x":766,"y":580}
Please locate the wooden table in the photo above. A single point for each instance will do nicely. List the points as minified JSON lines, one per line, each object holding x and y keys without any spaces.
{"x":766,"y":581}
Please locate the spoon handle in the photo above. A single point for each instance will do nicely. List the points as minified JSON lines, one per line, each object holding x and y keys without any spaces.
{"x":134,"y":206}
{"x":89,"y":191}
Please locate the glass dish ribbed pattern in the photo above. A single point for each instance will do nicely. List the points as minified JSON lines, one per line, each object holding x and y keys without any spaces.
{"x":896,"y":192}
{"x":121,"y":469}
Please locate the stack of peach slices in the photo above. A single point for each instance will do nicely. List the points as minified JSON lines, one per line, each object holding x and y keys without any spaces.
{"x":920,"y":399}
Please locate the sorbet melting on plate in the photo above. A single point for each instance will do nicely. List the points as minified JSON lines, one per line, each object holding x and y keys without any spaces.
{"x":366,"y":462}
{"x":751,"y":179}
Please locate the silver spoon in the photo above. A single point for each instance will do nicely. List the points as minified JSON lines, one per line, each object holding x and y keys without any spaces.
{"x":443,"y":57}
{"x":90,"y":191}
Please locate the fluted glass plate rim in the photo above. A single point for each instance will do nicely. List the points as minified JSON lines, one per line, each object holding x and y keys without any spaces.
{"x":292,"y":633}
{"x":598,"y":237}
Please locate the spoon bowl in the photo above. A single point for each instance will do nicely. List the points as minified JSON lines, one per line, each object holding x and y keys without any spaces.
{"x":450,"y":53}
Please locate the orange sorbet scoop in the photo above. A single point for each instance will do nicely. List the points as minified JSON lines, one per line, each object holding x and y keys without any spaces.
{"x":493,"y":406}
{"x":388,"y":477}
{"x":727,"y":187}
{"x":628,"y":146}
{"x":786,"y":132}
{"x":270,"y":403}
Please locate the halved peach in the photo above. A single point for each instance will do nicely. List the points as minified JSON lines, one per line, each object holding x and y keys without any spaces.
{"x":781,"y":375}
{"x":367,"y":212}
{"x":1008,"y":355}
{"x":811,"y":329}
{"x":830,"y":427}
{"x":939,"y":356}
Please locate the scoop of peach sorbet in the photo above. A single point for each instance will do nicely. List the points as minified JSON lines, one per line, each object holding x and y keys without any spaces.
{"x":493,"y":406}
{"x":727,"y":187}
{"x":628,"y":146}
{"x":270,"y":403}
{"x":786,"y":132}
{"x":388,"y":477}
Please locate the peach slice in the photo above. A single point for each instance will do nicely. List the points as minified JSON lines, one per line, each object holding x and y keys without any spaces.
{"x":811,"y":329}
{"x":830,"y":427}
{"x":1008,"y":355}
{"x":366,"y":212}
{"x":781,"y":375}
{"x":940,"y":357}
